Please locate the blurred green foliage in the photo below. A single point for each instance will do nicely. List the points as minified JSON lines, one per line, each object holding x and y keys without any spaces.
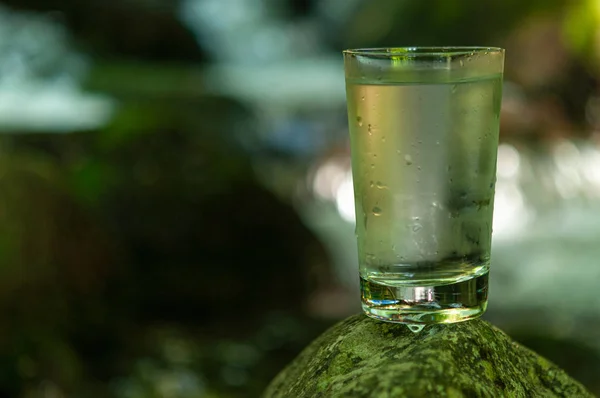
{"x":581,"y":25}
{"x":155,"y":222}
{"x":440,"y":22}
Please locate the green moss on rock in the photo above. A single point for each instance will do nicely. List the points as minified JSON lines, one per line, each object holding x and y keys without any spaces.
{"x":360,"y":357}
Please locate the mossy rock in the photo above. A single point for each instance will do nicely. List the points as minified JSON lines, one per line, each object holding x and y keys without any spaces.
{"x":360,"y":357}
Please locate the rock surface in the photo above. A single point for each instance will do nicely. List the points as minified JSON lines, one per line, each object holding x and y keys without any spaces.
{"x":360,"y":357}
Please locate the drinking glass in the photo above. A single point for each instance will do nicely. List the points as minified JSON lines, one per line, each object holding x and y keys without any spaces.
{"x":424,"y":127}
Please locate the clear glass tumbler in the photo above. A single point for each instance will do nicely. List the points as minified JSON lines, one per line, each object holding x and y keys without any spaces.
{"x":424,"y":135}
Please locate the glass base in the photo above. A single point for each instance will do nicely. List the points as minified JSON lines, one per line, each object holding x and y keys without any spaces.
{"x":424,"y":305}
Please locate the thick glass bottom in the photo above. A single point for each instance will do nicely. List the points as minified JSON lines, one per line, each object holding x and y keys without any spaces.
{"x":447,"y":303}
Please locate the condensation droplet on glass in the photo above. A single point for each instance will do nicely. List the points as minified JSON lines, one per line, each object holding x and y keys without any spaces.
{"x":454,"y":87}
{"x":461,"y":62}
{"x":362,"y":98}
{"x":371,"y":184}
{"x":398,"y":151}
{"x":416,"y":227}
{"x":408,"y":160}
{"x":369,"y":130}
{"x":377,"y":211}
{"x":419,"y":168}
{"x":383,"y":138}
{"x":359,"y":120}
{"x":372,"y":165}
{"x":380,"y":185}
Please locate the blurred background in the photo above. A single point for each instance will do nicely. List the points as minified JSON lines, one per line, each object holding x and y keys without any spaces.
{"x":176,"y":211}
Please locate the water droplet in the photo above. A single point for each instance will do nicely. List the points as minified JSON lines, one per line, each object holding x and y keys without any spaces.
{"x":359,"y":121}
{"x":383,"y":138}
{"x":437,"y":143}
{"x":372,"y":165}
{"x":369,"y":130}
{"x":380,"y":185}
{"x":419,"y":168}
{"x":415,"y":328}
{"x":408,"y":160}
{"x":398,"y":151}
{"x":416,"y":218}
{"x":454,"y":87}
{"x":417,"y":227}
{"x":371,"y":184}
{"x":461,"y":62}
{"x":377,"y":211}
{"x":362,"y":98}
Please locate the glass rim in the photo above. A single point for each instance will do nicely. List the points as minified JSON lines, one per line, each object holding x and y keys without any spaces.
{"x":425,"y":51}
